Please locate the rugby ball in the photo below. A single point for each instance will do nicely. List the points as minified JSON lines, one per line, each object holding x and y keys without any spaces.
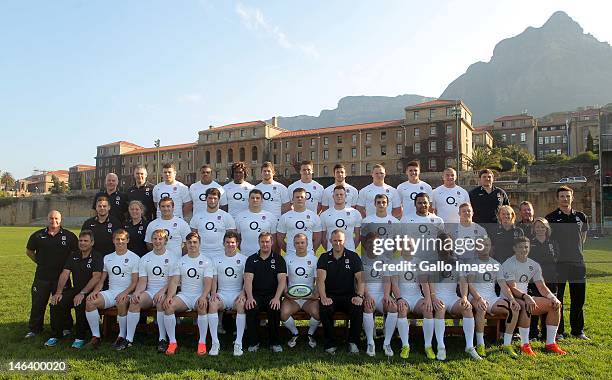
{"x":299,"y":291}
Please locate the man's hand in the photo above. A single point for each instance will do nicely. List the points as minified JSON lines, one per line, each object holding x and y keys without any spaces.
{"x":463,"y":301}
{"x":275,"y":303}
{"x":202,"y":302}
{"x":56,"y":298}
{"x":357,"y":301}
{"x":250,"y":303}
{"x":437,"y":304}
{"x":428,"y":305}
{"x":530,"y":303}
{"x":167,"y":303}
{"x":135,"y":298}
{"x":93,"y":296}
{"x":78,"y":299}
{"x":482,"y":304}
{"x":159,"y":297}
{"x":402,"y":305}
{"x":326,"y":301}
{"x":555,"y":303}
{"x":368,"y":302}
{"x":387,"y":300}
{"x":515,"y":306}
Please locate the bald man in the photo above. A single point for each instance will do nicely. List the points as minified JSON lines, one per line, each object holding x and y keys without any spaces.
{"x":48,"y":248}
{"x":117,"y":201}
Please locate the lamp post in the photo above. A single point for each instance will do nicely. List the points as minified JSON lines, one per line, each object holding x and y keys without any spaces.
{"x":457,"y":113}
{"x":156,"y":144}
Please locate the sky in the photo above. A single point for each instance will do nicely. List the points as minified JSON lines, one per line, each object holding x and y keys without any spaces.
{"x":78,"y":74}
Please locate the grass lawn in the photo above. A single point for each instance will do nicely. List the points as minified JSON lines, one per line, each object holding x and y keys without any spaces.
{"x":585,"y":359}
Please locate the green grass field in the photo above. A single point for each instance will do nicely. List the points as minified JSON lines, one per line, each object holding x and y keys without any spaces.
{"x":585,"y":359}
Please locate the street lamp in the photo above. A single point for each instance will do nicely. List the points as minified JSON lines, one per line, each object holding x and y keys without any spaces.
{"x":156,"y":144}
{"x":457,"y":113}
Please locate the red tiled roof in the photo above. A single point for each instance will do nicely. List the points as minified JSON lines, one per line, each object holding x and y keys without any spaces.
{"x":161,"y":149}
{"x":514,"y":117}
{"x":481,"y":128}
{"x":437,"y":102}
{"x":340,"y":128}
{"x":255,"y":123}
{"x":122,"y":143}
{"x":82,"y":166}
{"x":58,"y":172}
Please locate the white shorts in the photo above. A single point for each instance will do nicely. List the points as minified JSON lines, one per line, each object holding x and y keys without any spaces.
{"x":449,"y":300}
{"x":151,"y":293}
{"x":189,"y":299}
{"x":109,"y":298}
{"x":491,"y":299}
{"x":378,"y":305}
{"x":228,"y":298}
{"x":412,"y":301}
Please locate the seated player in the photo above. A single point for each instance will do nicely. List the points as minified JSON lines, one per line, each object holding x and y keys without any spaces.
{"x":227,"y":292}
{"x":484,"y":299}
{"x":519,"y":270}
{"x":194,"y":273}
{"x":443,"y":290}
{"x":153,"y":274}
{"x":377,"y":296}
{"x":121,"y":269}
{"x":301,"y":270}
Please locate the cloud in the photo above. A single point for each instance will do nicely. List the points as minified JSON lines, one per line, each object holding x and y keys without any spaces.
{"x":192,"y":99}
{"x":253,"y":19}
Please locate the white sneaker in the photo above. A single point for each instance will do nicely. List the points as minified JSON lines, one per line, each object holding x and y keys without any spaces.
{"x":353,"y":349}
{"x":220,"y":330}
{"x":472,"y":352}
{"x":388,"y":350}
{"x":331,"y":350}
{"x":237,"y":349}
{"x":312,"y":342}
{"x":214,"y":350}
{"x":293,"y":341}
{"x":441,"y":354}
{"x":254,"y":348}
{"x":277,"y":348}
{"x":371,"y":350}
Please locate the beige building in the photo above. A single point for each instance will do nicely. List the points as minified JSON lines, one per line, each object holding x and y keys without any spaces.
{"x":582,"y":123}
{"x":40,"y":183}
{"x":79,"y":174}
{"x":482,"y":136}
{"x":517,"y":130}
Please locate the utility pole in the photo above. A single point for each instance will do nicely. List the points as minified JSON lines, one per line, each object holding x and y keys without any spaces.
{"x":156,"y":143}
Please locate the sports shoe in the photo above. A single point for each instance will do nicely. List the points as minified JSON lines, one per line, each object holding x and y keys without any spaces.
{"x":554,"y":348}
{"x":29,"y":335}
{"x":331,"y":350}
{"x":510,"y":351}
{"x":94,"y":343}
{"x":201,"y":349}
{"x":312,"y":342}
{"x":559,"y":337}
{"x":353,"y":349}
{"x":214,"y":349}
{"x":162,"y":345}
{"x":293,"y":341}
{"x":526,"y":349}
{"x":237,"y":349}
{"x":481,"y":350}
{"x":221,"y":330}
{"x":277,"y":348}
{"x":52,"y":342}
{"x":117,"y":342}
{"x":472,"y":352}
{"x":254,"y":348}
{"x":581,"y":337}
{"x":125,"y":344}
{"x":66,"y":333}
{"x":429,"y":353}
{"x":387,"y":349}
{"x":405,"y":352}
{"x":441,"y":354}
{"x":78,"y":343}
{"x":171,"y":350}
{"x":370,"y":350}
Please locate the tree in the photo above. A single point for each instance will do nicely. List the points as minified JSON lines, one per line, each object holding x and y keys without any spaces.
{"x":59,"y":187}
{"x":586,"y":157}
{"x":589,"y":143}
{"x":483,"y":158}
{"x":507,"y":164}
{"x":7,"y":180}
{"x":518,"y":155}
{"x":556,"y":158}
{"x":497,"y":139}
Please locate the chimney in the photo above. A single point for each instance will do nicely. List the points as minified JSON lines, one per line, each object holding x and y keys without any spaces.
{"x":275,"y":121}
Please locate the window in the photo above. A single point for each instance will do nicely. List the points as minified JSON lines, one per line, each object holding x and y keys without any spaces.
{"x":433,"y":131}
{"x":207,"y":157}
{"x":353,"y":169}
{"x":208,"y":137}
{"x":354,"y":139}
{"x":415,"y":115}
{"x":312,"y":142}
{"x":229,"y":135}
{"x":339,"y":154}
{"x":163,"y":156}
{"x":218,"y":136}
{"x":339,"y":139}
{"x":218,"y":156}
{"x":368,"y":138}
{"x":503,"y":137}
{"x":383,"y":150}
{"x":254,"y":132}
{"x":451,"y":162}
{"x":432,"y":113}
{"x":230,"y":155}
{"x":477,"y":138}
{"x":383,"y":136}
{"x":253,"y":173}
{"x":286,"y":172}
{"x":216,"y":174}
{"x":325,"y":140}
{"x":242,"y":133}
{"x":433,"y":146}
{"x":299,"y":156}
{"x":512,"y":138}
{"x":325,"y":154}
{"x":432,"y":164}
{"x":450,"y":111}
{"x":449,"y":129}
{"x":242,"y":154}
{"x":275,"y":158}
{"x":287,"y":144}
{"x":399,"y":149}
{"x":254,"y":154}
{"x":523,"y":137}
{"x":313,"y":155}
{"x":449,"y":145}
{"x":417,"y":148}
{"x":275,"y":145}
{"x":540,"y":155}
{"x":540,"y":140}
{"x":179,"y":156}
{"x":353,"y":152}
{"x":188,"y":165}
{"x":399,"y":135}
{"x":368,"y":151}
{"x":368,"y":167}
{"x":299,"y":143}
{"x":179,"y":166}
{"x":564,"y":139}
{"x":417,"y":132}
{"x":287,"y":157}
{"x":546,"y":140}
{"x":325,"y":170}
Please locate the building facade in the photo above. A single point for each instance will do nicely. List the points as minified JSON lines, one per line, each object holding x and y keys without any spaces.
{"x":517,"y":130}
{"x":79,"y":174}
{"x":605,"y":149}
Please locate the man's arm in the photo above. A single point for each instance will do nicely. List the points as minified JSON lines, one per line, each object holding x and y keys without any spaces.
{"x":31,"y":254}
{"x":285,"y":207}
{"x":361,"y":210}
{"x":93,"y":281}
{"x":187,"y":208}
{"x":316,"y":240}
{"x":280,"y":241}
{"x":357,"y":236}
{"x":397,"y":212}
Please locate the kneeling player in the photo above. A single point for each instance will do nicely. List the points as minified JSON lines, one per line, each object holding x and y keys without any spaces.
{"x":194,"y":273}
{"x":444,"y":297}
{"x":228,"y":293}
{"x":153,"y":273}
{"x":519,"y":270}
{"x":485,"y":300}
{"x":301,"y":270}
{"x":121,"y":269}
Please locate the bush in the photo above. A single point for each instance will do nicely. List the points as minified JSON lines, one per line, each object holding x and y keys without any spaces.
{"x":507,"y":164}
{"x":556,"y":158}
{"x":586,"y":158}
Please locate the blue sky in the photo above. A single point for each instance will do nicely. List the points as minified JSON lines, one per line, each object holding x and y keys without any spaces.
{"x":77,"y":74}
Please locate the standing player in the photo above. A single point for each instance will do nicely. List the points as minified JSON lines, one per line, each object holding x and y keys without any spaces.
{"x":154,"y":270}
{"x":142,"y":191}
{"x":327,"y":200}
{"x":275,"y":195}
{"x":237,"y":191}
{"x":103,"y":225}
{"x":365,"y":201}
{"x":171,"y":188}
{"x":121,"y":269}
{"x":253,"y":222}
{"x":486,"y":199}
{"x":413,"y":186}
{"x":518,"y":271}
{"x":448,"y":197}
{"x":117,"y":200}
{"x":467,"y":232}
{"x":526,"y":215}
{"x":505,"y":234}
{"x":227,"y":292}
{"x":194,"y":273}
{"x":485,"y":300}
{"x":342,"y":216}
{"x":300,"y":219}
{"x":198,"y":191}
{"x":176,"y":228}
{"x":301,"y":270}
{"x":212,"y":224}
{"x":314,"y":190}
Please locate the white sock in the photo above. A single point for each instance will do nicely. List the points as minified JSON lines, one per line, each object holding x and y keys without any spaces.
{"x":468,"y":331}
{"x":202,"y":326}
{"x":290,"y":325}
{"x":551,"y":334}
{"x":93,"y":318}
{"x":390,"y":325}
{"x":132,"y":322}
{"x":479,"y":338}
{"x":428,"y":331}
{"x":439,"y":328}
{"x":368,"y":326}
{"x":507,"y":339}
{"x":240,"y":325}
{"x":312,"y":326}
{"x":524,"y":332}
{"x":169,"y":322}
{"x":160,"y":325}
{"x":122,"y":325}
{"x":213,"y":326}
{"x":402,"y":328}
